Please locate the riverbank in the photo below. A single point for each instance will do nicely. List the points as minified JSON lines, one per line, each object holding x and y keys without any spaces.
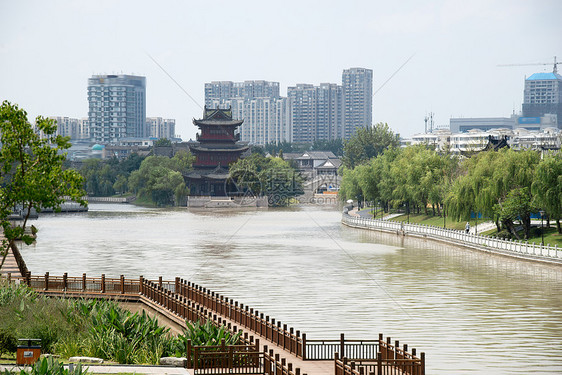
{"x":514,"y":249}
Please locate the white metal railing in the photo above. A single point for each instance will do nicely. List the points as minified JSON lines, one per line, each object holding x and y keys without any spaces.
{"x":489,"y":243}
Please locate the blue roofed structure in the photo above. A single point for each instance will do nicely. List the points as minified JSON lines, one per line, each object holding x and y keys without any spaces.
{"x":544,"y":76}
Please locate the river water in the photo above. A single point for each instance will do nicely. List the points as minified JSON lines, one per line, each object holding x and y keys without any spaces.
{"x":470,"y":312}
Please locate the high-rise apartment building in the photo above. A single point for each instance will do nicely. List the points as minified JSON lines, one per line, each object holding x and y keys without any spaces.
{"x":266,"y":115}
{"x":76,"y":129}
{"x":304,"y":103}
{"x":357,"y":86}
{"x":543,"y":95}
{"x":117,"y":107}
{"x":161,"y":128}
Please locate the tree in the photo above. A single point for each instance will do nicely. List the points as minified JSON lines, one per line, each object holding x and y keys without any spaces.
{"x":267,"y":176}
{"x":160,"y":179}
{"x":31,"y":172}
{"x":367,"y":143}
{"x":547,"y":187}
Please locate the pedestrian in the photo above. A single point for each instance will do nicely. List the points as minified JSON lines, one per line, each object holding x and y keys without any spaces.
{"x":467,"y":227}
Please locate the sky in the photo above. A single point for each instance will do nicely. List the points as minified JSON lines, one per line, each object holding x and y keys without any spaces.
{"x":49,"y":49}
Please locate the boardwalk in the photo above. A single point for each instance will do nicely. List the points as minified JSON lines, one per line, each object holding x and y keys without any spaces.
{"x":281,"y":348}
{"x":10,"y":265}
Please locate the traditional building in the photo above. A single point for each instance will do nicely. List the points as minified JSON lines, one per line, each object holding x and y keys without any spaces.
{"x":217,"y":146}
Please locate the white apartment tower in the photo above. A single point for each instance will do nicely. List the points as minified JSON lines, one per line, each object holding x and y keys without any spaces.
{"x":161,"y":128}
{"x":266,"y":115}
{"x":117,"y":107}
{"x":357,"y":100}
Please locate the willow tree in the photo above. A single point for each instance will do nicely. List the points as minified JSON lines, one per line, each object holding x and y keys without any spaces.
{"x":547,"y":187}
{"x":31,"y":173}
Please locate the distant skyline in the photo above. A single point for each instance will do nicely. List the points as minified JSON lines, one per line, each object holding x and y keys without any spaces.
{"x":49,"y":49}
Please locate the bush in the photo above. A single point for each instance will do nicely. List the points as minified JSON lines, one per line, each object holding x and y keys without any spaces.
{"x":8,"y":342}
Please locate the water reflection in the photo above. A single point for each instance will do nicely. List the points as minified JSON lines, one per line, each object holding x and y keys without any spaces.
{"x":471,"y":312}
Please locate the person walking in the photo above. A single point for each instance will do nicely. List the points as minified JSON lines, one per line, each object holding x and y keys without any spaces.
{"x":467,"y":227}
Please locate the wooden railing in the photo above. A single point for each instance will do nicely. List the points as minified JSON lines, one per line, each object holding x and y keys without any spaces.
{"x":351,"y":349}
{"x":286,"y":337}
{"x":191,"y":302}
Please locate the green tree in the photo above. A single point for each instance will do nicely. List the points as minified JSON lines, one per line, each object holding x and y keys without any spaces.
{"x":163,"y":142}
{"x":334,"y":145}
{"x":31,"y":172}
{"x":367,"y":143}
{"x":267,"y":176}
{"x":160,"y":179}
{"x":547,"y":187}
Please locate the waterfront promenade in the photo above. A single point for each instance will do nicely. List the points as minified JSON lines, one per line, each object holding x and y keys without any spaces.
{"x":516,"y":249}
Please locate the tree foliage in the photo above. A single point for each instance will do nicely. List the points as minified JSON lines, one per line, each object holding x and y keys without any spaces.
{"x":160,"y":179}
{"x":31,"y":171}
{"x":267,"y":176}
{"x":105,"y":178}
{"x":547,"y":187}
{"x":367,"y":143}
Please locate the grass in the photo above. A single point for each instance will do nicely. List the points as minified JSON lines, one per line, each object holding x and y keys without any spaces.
{"x":551,"y":236}
{"x":436,"y":221}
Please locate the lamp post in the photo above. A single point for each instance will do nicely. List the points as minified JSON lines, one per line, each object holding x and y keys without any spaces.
{"x":541,"y":212}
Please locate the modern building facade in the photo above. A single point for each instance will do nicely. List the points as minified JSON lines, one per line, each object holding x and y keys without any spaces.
{"x":317,"y":112}
{"x":357,"y":84}
{"x":543,"y":95}
{"x":117,"y":107}
{"x":462,"y":125}
{"x":161,"y":128}
{"x":266,"y":115}
{"x":309,"y":113}
{"x":75,"y":128}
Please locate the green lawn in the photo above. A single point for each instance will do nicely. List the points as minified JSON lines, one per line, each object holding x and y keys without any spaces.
{"x":436,"y":221}
{"x":551,"y":236}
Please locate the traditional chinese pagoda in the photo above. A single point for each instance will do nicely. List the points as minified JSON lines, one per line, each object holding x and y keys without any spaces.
{"x":217,"y":146}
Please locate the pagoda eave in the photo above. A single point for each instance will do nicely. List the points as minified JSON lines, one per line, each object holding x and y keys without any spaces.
{"x":217,"y":122}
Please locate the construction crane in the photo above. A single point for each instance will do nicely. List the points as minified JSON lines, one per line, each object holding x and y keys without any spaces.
{"x":554,"y":69}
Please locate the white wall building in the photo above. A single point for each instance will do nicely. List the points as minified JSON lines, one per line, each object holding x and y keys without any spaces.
{"x":161,"y":128}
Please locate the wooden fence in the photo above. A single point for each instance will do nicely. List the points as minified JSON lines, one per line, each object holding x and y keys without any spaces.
{"x":193,"y":302}
{"x":492,"y":244}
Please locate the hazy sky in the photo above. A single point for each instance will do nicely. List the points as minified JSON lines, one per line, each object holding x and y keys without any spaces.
{"x":48,"y":50}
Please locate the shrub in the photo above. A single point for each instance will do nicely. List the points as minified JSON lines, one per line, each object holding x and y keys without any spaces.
{"x":8,"y":343}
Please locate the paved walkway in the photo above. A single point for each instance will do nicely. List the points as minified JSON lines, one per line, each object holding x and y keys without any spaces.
{"x":119,"y":369}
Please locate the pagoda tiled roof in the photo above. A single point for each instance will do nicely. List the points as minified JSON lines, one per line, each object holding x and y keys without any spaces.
{"x":218,"y":173}
{"x":219,"y":147}
{"x":212,"y":122}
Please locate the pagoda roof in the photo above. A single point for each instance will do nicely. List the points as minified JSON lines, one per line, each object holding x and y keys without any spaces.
{"x":218,"y":173}
{"x":217,"y":116}
{"x":218,"y":147}
{"x":217,"y":122}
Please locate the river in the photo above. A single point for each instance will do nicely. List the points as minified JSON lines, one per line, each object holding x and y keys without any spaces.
{"x":470,"y":312}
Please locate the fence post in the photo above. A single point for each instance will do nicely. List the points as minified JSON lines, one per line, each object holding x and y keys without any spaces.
{"x":83,"y":282}
{"x":141,"y":286}
{"x":188,"y":353}
{"x":65,"y":281}
{"x":160,"y":281}
{"x":379,"y":363}
{"x":103,"y":282}
{"x":122,"y":282}
{"x":342,"y":345}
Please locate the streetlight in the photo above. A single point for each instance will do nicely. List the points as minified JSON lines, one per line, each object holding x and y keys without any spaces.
{"x":541,"y":212}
